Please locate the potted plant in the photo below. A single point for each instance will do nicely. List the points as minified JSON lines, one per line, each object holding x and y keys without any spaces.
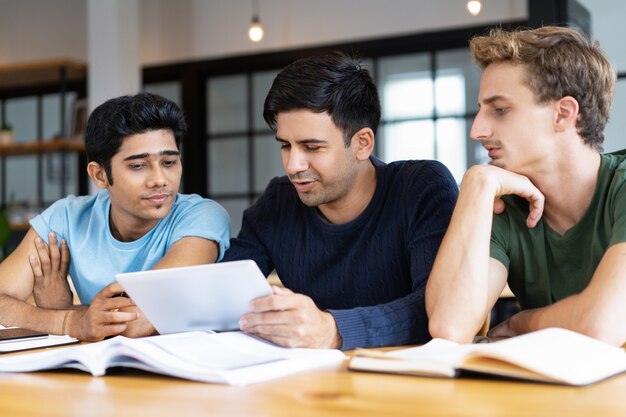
{"x":6,"y":133}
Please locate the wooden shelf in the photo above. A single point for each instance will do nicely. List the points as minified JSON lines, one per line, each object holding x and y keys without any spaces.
{"x":43,"y":147}
{"x":40,"y":73}
{"x":19,"y":227}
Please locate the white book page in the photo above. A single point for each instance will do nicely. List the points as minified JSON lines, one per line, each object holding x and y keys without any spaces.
{"x":84,"y":357}
{"x":439,"y":350}
{"x":216,"y":351}
{"x":231,"y":357}
{"x":436,"y":358}
{"x":559,"y":354}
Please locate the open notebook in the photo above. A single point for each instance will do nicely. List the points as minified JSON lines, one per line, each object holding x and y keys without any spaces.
{"x":551,"y":355}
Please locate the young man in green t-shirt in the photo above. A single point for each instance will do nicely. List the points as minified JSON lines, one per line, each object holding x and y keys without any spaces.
{"x":558,"y":234}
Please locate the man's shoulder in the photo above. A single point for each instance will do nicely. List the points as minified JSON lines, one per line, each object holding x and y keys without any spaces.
{"x":416,"y":177}
{"x":616,"y":161}
{"x":76,"y":204}
{"x":423,"y":169}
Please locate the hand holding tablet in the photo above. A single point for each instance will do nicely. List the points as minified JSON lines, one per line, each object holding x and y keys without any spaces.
{"x":202,"y":297}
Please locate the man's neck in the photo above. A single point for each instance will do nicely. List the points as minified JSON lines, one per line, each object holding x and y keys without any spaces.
{"x":568,"y":185}
{"x":350,"y":206}
{"x":128,"y":231}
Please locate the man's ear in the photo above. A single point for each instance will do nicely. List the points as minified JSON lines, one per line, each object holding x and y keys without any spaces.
{"x":567,"y":113}
{"x":363,"y":140}
{"x":98,"y":174}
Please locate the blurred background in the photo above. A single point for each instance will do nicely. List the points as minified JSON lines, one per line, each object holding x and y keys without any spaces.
{"x":61,"y":58}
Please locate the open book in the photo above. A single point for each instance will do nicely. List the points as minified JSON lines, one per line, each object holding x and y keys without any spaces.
{"x":230,"y":358}
{"x":551,"y":355}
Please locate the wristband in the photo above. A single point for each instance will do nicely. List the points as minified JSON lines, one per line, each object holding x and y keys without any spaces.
{"x":67,"y":314}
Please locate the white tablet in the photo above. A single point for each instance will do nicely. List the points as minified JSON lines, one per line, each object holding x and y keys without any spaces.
{"x":201,"y":297}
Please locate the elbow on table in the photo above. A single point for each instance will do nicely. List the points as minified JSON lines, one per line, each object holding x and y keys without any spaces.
{"x":445,"y":329}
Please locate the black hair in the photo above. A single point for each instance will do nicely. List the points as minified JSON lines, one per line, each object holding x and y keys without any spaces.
{"x":114,"y":120}
{"x":335,"y":83}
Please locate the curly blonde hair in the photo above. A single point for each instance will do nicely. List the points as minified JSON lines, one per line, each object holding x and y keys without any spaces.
{"x":559,"y":62}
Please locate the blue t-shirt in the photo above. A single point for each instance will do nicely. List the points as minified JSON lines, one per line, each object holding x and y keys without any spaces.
{"x":96,"y":256}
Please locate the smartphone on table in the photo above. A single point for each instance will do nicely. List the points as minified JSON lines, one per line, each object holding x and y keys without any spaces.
{"x":14,"y":334}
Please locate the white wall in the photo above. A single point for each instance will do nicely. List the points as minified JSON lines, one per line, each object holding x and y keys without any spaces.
{"x":211,"y":28}
{"x":41,"y":29}
{"x":175,"y":30}
{"x":607,"y":26}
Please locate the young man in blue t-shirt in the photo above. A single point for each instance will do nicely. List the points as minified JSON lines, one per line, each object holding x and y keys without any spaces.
{"x":138,"y":221}
{"x":351,"y":238}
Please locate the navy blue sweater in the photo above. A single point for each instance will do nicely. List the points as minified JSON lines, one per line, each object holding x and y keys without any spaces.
{"x":369,"y":273}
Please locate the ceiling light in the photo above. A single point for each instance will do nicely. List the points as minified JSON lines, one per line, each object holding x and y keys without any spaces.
{"x":255,"y":30}
{"x":473,"y":7}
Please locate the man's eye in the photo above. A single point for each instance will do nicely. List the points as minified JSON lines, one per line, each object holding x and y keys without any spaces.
{"x":136,"y":167}
{"x":500,"y":110}
{"x":285,"y":146}
{"x":311,"y":148}
{"x":170,"y":163}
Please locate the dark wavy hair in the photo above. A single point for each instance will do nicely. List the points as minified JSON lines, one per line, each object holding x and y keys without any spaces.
{"x":120,"y":117}
{"x":334,"y":83}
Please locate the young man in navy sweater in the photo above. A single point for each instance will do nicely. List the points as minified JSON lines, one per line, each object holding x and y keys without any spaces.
{"x":352,"y":239}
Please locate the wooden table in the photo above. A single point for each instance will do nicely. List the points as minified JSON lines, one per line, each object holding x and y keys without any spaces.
{"x":325,"y":392}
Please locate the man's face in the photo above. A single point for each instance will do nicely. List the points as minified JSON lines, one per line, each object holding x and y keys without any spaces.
{"x":146,"y":175}
{"x":315,"y":158}
{"x":513,"y":128}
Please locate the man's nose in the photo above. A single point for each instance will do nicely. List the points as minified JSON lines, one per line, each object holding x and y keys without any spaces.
{"x":296,"y":162}
{"x":157,"y":177}
{"x":480,"y":129}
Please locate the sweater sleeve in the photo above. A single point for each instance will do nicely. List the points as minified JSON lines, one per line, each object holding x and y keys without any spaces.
{"x":404,"y":321}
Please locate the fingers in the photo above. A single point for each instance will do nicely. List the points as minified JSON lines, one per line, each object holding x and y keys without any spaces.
{"x":65,"y":257}
{"x":249,"y":321}
{"x":536,"y":204}
{"x":280,"y":300}
{"x":52,"y":258}
{"x":111,"y":290}
{"x":110,"y":317}
{"x":43,"y":254}
{"x":116,"y":303}
{"x":498,"y":205}
{"x":281,"y":290}
{"x":107,"y":299}
{"x":36,"y":267}
{"x":53,"y":249}
{"x":512,"y":183}
{"x":285,"y":316}
{"x":92,"y":325}
{"x":95,"y":333}
{"x":285,"y":341}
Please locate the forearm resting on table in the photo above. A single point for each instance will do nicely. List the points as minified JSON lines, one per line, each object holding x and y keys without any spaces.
{"x":22,"y":314}
{"x":598,"y":311}
{"x":573,"y":313}
{"x":457,"y":293}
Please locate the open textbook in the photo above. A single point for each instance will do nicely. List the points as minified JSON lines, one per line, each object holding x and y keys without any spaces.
{"x":551,"y":355}
{"x":230,"y":358}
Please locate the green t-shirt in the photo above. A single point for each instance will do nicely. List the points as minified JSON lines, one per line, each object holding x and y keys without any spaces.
{"x":544,"y":266}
